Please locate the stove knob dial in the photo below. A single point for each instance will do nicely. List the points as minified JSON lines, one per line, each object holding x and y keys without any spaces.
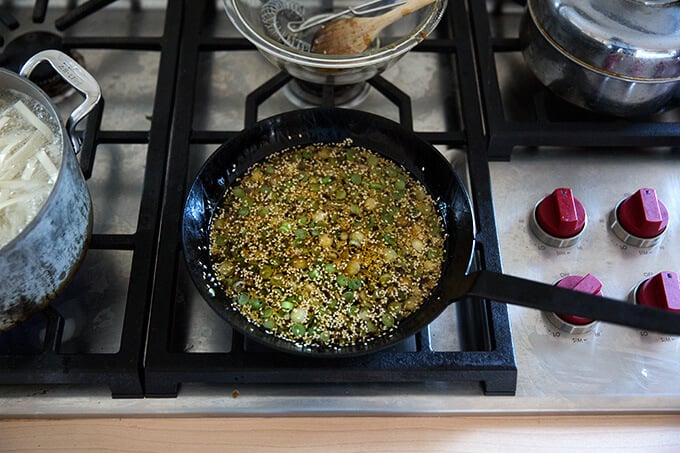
{"x":641,"y":219}
{"x":660,"y":291}
{"x":576,"y":324}
{"x":559,"y":219}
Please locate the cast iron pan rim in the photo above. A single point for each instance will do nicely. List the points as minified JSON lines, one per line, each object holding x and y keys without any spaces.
{"x":264,"y":138}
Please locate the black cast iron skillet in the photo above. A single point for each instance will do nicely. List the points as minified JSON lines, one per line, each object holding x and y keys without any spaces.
{"x":402,"y":146}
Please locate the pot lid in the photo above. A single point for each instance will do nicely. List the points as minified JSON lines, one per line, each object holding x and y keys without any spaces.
{"x":635,"y":39}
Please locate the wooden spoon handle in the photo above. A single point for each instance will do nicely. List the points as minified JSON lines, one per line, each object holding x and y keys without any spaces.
{"x":353,"y":35}
{"x":397,"y":13}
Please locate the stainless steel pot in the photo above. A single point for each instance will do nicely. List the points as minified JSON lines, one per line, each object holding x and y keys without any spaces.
{"x":39,"y":262}
{"x":620,"y":57}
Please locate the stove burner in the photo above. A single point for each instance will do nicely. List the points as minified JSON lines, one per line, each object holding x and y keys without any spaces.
{"x":306,"y":94}
{"x":24,"y":46}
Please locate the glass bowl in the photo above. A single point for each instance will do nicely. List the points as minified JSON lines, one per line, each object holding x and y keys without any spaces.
{"x":265,"y":24}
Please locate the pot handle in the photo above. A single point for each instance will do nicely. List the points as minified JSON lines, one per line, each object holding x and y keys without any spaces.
{"x":518,"y":291}
{"x":77,"y":77}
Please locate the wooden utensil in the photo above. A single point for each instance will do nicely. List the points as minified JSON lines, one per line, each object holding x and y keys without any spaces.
{"x":353,"y":35}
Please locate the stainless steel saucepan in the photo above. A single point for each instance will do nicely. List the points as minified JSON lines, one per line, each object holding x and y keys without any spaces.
{"x":37,"y":263}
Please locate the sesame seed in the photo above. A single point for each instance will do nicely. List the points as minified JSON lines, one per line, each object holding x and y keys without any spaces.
{"x":330,"y":276}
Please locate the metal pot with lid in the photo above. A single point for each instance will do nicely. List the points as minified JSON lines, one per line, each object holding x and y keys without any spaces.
{"x":38,"y":261}
{"x":620,"y":57}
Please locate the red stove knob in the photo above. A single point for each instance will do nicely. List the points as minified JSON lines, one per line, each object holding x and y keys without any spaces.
{"x":559,"y":219}
{"x":576,"y":324}
{"x":641,"y":219}
{"x":661,"y":291}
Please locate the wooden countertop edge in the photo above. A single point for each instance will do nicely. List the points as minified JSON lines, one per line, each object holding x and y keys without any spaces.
{"x":620,"y":433}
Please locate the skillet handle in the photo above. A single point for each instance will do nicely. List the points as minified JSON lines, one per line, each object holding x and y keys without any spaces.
{"x":519,"y":291}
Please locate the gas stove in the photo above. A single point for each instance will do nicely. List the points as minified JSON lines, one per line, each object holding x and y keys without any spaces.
{"x":131,"y":335}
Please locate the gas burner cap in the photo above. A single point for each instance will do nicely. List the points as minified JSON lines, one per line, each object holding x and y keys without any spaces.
{"x":306,"y":94}
{"x":24,"y":46}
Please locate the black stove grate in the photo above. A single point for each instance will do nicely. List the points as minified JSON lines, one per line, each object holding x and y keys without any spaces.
{"x":148,"y":362}
{"x":487,"y":355}
{"x":547,"y":120}
{"x":47,"y":363}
